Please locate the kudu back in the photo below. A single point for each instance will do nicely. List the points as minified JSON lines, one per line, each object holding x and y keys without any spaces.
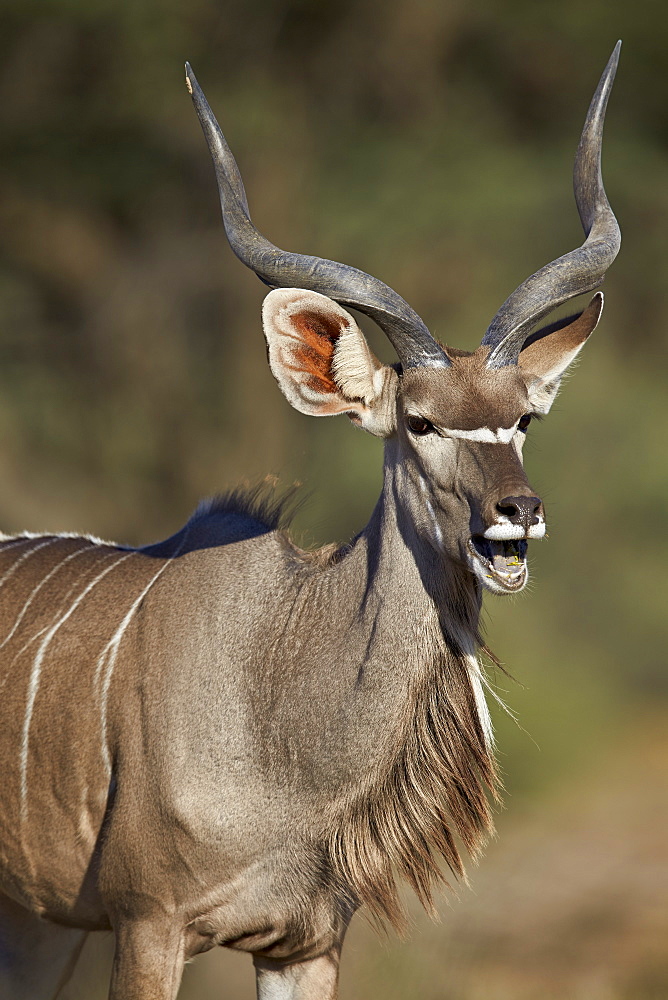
{"x":223,"y":739}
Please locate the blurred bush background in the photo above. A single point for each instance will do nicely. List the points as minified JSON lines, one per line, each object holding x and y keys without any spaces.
{"x":430,"y":144}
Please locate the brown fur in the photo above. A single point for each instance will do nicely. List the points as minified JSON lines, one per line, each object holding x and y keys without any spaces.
{"x":286,"y":735}
{"x":432,"y":790}
{"x":562,"y":338}
{"x":219,"y":739}
{"x":468,"y":395}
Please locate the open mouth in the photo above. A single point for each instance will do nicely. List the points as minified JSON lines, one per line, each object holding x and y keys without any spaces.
{"x":500,"y":563}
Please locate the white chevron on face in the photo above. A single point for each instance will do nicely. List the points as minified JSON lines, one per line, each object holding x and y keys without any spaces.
{"x":502,"y":435}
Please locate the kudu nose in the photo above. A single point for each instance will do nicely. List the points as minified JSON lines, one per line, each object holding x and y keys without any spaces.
{"x":521,"y":510}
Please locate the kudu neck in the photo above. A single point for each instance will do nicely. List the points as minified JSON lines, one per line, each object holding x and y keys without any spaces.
{"x":402,"y":563}
{"x":415,"y":713}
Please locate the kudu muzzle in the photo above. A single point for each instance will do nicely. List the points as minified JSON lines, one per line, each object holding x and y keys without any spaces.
{"x":509,"y":508}
{"x":507,"y":516}
{"x":523,"y":511}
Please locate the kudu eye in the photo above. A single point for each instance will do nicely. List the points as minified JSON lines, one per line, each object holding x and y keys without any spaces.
{"x":418,"y":425}
{"x":524,"y":422}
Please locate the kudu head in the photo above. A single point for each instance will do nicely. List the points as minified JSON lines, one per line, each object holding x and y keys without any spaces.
{"x":454,"y":421}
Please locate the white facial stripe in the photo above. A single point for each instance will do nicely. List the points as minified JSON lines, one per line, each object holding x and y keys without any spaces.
{"x":502,"y":435}
{"x":536,"y":530}
{"x":434,"y":520}
{"x":438,"y":534}
{"x":33,"y":683}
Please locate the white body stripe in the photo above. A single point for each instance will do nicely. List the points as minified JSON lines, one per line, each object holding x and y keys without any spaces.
{"x":41,"y":631}
{"x":26,"y":555}
{"x":107,"y":659}
{"x":31,"y":536}
{"x":36,"y":589}
{"x":33,"y":683}
{"x":11,"y":541}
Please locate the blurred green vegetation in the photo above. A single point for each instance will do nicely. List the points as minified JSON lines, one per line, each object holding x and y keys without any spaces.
{"x":430,"y":144}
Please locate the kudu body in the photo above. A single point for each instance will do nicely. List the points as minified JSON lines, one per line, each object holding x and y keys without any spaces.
{"x":222,"y":739}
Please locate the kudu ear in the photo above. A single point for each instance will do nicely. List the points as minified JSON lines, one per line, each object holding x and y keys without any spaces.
{"x":323,"y":364}
{"x":548,"y":352}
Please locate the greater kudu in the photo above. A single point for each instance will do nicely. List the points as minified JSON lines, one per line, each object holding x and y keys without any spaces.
{"x":222,"y":739}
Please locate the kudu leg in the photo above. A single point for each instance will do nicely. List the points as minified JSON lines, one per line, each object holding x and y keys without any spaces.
{"x":316,"y":979}
{"x":148,"y":962}
{"x":36,"y":958}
